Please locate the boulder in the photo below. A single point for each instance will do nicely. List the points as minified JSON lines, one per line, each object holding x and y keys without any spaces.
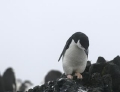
{"x":101,"y":76}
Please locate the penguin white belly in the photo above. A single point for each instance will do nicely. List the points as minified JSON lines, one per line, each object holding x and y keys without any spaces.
{"x":74,"y":60}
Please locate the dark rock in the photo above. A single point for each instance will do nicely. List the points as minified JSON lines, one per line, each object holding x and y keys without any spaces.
{"x":107,"y":80}
{"x":101,"y":60}
{"x":96,"y":80}
{"x":116,"y":61}
{"x":99,"y":77}
{"x":30,"y":90}
{"x":87,"y":66}
{"x":96,"y":68}
{"x":114,"y":71}
{"x":1,"y":84}
{"x":95,"y":90}
{"x":66,"y":85}
{"x":85,"y":79}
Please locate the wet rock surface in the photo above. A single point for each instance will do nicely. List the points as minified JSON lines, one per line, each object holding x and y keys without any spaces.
{"x":101,"y":76}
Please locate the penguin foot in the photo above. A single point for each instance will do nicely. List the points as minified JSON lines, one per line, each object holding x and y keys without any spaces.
{"x":69,"y":76}
{"x":79,"y":76}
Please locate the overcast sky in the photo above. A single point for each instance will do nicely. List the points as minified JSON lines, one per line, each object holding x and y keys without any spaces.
{"x":34,"y":32}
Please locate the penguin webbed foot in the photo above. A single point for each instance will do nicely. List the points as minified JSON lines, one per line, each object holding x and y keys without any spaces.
{"x":69,"y":76}
{"x":79,"y":76}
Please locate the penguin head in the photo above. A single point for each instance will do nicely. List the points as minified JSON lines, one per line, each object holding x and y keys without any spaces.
{"x":81,"y":40}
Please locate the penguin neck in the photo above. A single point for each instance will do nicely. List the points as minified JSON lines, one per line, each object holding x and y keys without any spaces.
{"x":75,"y":45}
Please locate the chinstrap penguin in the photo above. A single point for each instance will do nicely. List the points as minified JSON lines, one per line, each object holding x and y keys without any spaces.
{"x":75,"y":55}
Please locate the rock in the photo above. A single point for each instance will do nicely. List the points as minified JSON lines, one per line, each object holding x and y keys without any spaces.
{"x":96,"y":80}
{"x":98,"y":77}
{"x":101,"y":60}
{"x":114,"y":71}
{"x":107,"y":80}
{"x":1,"y":84}
{"x":96,"y":68}
{"x":87,"y":66}
{"x":116,"y":61}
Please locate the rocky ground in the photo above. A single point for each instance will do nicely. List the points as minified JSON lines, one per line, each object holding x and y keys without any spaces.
{"x":102,"y":76}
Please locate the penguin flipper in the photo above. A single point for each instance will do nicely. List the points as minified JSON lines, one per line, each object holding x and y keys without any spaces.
{"x":65,"y":48}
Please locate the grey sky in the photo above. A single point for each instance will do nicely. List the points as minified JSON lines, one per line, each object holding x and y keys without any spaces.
{"x":34,"y":32}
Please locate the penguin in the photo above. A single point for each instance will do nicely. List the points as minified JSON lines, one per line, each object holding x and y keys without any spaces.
{"x":75,"y":55}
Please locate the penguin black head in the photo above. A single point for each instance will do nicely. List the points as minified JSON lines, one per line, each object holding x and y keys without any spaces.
{"x":80,"y":39}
